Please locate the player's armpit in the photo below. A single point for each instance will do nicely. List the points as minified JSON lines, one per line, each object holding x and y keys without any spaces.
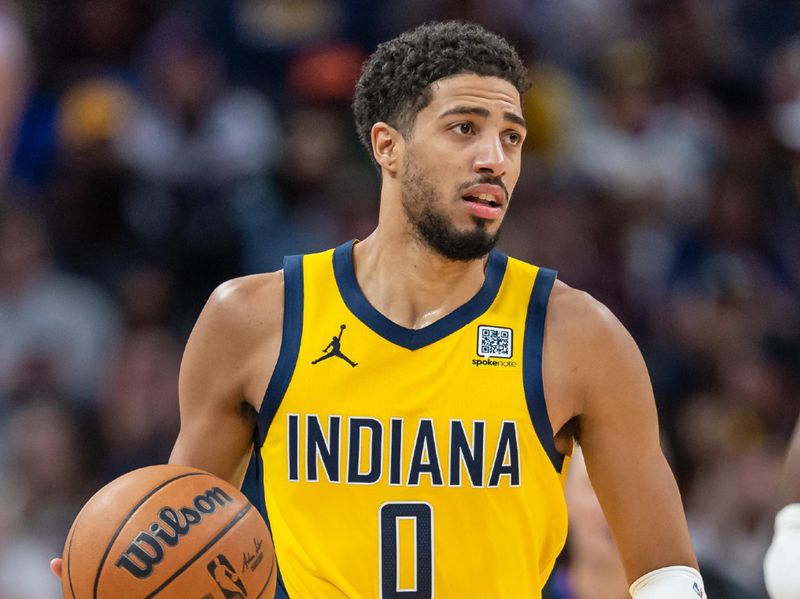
{"x":604,"y":370}
{"x":227,"y":362}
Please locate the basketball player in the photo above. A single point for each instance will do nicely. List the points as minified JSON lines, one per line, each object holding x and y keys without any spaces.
{"x":781,"y":574}
{"x":426,"y":455}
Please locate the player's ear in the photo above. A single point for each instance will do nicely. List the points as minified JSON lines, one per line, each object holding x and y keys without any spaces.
{"x":387,"y":143}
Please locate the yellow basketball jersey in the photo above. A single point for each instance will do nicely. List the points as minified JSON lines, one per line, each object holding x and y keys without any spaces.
{"x":400,"y":463}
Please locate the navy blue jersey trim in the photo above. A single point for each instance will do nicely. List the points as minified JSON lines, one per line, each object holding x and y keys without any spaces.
{"x":290,"y":345}
{"x":414,"y":338}
{"x":532,"y":364}
{"x":253,"y":484}
{"x":280,"y":588}
{"x":253,"y":489}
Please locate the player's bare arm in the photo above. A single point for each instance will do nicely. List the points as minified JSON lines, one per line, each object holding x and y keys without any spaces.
{"x":226,"y":365}
{"x":598,"y":388}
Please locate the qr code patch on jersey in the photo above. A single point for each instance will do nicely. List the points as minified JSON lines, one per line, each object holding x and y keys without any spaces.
{"x":494,"y":342}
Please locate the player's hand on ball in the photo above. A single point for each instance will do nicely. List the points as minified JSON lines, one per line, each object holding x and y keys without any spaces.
{"x":170,"y":531}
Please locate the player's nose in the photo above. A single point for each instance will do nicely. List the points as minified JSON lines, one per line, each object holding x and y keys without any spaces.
{"x":490,"y":157}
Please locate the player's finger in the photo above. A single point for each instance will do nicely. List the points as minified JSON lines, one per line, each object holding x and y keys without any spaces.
{"x":55,"y":567}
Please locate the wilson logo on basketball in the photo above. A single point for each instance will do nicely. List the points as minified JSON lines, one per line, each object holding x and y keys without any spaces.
{"x":147,"y":548}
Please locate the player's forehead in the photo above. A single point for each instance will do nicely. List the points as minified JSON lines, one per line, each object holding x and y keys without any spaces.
{"x":468,"y":89}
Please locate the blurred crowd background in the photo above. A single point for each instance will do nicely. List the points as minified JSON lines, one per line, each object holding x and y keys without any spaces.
{"x":150,"y":150}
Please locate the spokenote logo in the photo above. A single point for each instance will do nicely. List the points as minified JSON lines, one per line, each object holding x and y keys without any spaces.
{"x":495,"y":342}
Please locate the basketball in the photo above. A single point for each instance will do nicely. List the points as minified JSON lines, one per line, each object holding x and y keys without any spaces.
{"x":171,"y":532}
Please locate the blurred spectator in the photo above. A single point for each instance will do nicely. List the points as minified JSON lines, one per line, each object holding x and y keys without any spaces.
{"x":326,"y":74}
{"x":783,"y":81}
{"x":47,"y":481}
{"x":762,"y":27}
{"x":201,"y":149}
{"x":15,"y":79}
{"x":325,"y":188}
{"x":733,"y":252}
{"x":635,"y":146}
{"x":783,"y":91}
{"x":88,"y":197}
{"x":83,"y":36}
{"x":57,"y":329}
{"x":591,"y":568}
{"x":570,"y":31}
{"x":147,"y":296}
{"x":262,"y":38}
{"x":732,"y":532}
{"x":139,"y":407}
{"x":548,"y":108}
{"x":192,"y":127}
{"x":565,"y":225}
{"x":286,"y":23}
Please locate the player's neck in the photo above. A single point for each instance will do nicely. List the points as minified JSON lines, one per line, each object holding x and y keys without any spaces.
{"x":410,"y":284}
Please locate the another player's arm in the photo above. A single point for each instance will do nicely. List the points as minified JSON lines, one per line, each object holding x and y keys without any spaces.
{"x":602,"y":375}
{"x":781,"y":574}
{"x":227,"y":362}
{"x":790,"y":481}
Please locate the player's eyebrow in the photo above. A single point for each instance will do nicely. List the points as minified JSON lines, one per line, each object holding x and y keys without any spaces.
{"x":479,"y":111}
{"x":516,"y":119}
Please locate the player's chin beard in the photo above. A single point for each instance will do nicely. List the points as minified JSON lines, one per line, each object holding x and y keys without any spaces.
{"x":432,"y":228}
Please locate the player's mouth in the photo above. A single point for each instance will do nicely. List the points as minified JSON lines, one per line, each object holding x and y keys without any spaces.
{"x":485,"y":201}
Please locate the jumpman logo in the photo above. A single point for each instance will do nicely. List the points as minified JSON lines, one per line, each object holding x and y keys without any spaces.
{"x":334,"y":350}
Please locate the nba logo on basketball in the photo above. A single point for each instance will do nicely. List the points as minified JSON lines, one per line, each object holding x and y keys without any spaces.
{"x":224,"y":574}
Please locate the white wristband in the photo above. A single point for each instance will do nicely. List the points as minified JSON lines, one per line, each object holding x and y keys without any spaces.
{"x":672,"y":582}
{"x":781,"y":572}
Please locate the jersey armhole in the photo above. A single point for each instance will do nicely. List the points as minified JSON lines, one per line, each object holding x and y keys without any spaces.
{"x":533,"y":382}
{"x":253,"y":484}
{"x":290,"y":345}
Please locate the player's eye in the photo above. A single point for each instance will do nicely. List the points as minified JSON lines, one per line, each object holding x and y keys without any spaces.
{"x":464,"y":128}
{"x":514,"y":138}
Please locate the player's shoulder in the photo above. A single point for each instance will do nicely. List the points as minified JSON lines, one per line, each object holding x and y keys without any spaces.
{"x":579,"y":320}
{"x":585,"y":346}
{"x":248,"y":303}
{"x":250,"y":289}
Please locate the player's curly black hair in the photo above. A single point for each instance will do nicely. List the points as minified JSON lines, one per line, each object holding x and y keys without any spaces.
{"x":395,"y":81}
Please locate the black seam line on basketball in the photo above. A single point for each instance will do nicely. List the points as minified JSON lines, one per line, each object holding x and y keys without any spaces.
{"x":69,"y":557}
{"x":197,"y":555}
{"x":129,"y":516}
{"x":271,"y":572}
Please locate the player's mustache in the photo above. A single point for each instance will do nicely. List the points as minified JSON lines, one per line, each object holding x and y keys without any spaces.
{"x":487,"y":180}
